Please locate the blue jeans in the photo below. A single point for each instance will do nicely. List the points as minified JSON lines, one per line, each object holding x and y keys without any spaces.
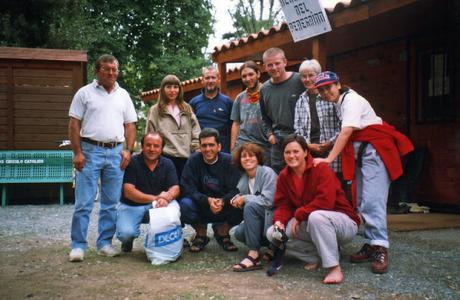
{"x":372,"y":185}
{"x":104,"y":164}
{"x":129,"y":219}
{"x":252,"y":231}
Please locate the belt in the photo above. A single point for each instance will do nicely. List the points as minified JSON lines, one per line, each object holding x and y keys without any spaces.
{"x":100,"y":144}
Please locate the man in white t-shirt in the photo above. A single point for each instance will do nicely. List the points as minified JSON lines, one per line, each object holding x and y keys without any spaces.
{"x":102,"y":118}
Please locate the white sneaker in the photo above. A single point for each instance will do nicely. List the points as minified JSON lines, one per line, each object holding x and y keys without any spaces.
{"x":76,"y":254}
{"x":108,"y":250}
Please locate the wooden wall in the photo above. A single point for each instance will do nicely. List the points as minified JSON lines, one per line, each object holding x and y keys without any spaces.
{"x":35,"y":96}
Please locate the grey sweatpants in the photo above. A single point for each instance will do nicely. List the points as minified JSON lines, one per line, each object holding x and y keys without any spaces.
{"x":319,"y":237}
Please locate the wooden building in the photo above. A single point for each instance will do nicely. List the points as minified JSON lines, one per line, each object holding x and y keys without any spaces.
{"x":403,"y":56}
{"x":36,"y":88}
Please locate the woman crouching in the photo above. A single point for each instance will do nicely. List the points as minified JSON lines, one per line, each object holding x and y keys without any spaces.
{"x":311,"y":207}
{"x":257,"y":189}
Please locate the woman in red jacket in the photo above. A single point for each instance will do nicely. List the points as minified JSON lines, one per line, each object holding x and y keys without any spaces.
{"x":311,"y":207}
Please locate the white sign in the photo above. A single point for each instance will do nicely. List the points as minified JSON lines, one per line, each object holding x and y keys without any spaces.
{"x":306,"y":18}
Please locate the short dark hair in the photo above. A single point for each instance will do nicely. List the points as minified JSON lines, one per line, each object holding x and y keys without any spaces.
{"x":104,"y":58}
{"x":209,"y":132}
{"x":250,"y":148}
{"x":295,"y":138}
{"x":153,"y":133}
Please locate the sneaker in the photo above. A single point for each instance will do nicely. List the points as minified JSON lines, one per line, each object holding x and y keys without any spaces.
{"x":108,"y":250}
{"x":366,"y":253}
{"x":76,"y":255}
{"x":380,"y":263}
{"x":127,"y":246}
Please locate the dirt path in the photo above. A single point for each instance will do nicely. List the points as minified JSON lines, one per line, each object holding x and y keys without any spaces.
{"x":33,"y":264}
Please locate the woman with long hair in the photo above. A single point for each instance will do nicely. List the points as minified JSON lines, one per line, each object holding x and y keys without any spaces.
{"x":247,"y":124}
{"x":175,"y":120}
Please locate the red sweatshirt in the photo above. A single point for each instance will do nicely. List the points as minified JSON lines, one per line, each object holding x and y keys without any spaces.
{"x":389,"y":143}
{"x":321,"y":191}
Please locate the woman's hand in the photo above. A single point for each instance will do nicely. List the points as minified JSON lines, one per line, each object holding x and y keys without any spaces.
{"x":295,"y":224}
{"x":317,"y":161}
{"x":238,"y":201}
{"x":279,"y":225}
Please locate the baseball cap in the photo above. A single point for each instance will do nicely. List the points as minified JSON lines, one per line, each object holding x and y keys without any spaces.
{"x":326,"y":78}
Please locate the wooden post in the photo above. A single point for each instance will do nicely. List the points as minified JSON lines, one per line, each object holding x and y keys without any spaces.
{"x":319,"y":51}
{"x":10,"y":107}
{"x":223,"y":78}
{"x":61,"y":194}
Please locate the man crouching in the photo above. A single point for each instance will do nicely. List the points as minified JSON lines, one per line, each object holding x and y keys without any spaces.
{"x":148,"y":178}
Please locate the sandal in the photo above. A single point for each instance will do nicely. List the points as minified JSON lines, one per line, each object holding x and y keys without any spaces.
{"x":268,"y":256}
{"x":198,"y":243}
{"x":225,"y":242}
{"x":256,"y":265}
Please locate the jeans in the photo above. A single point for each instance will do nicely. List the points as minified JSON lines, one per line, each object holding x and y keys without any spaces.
{"x":372,"y":185}
{"x":104,"y":164}
{"x":252,"y":231}
{"x":129,"y":219}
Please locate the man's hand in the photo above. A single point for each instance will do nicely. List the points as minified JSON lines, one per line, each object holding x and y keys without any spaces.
{"x":272,"y":139}
{"x":215,"y":204}
{"x":238,"y":201}
{"x":162,"y":202}
{"x":125,"y":158}
{"x":166,"y":195}
{"x":79,"y":161}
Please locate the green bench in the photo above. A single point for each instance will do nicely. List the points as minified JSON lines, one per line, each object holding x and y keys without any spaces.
{"x":24,"y":166}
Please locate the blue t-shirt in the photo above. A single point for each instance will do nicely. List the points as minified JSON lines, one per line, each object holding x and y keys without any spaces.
{"x":214,"y":113}
{"x":149,"y":182}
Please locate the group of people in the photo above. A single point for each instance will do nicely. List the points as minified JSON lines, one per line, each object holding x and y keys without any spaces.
{"x":276,"y":158}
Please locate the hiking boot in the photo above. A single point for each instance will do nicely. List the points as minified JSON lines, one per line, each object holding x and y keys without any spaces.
{"x":366,"y":253}
{"x":108,"y":250}
{"x":380,"y":263}
{"x":76,"y":255}
{"x":127,"y":246}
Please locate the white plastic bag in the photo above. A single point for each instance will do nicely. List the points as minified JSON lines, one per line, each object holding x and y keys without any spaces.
{"x":163,"y":243}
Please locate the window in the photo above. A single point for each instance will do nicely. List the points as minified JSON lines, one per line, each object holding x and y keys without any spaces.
{"x":436,"y":102}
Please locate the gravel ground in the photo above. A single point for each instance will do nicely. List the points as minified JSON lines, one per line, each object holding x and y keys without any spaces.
{"x":424,"y":264}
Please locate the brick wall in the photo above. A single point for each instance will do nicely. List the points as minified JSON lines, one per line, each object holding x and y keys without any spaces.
{"x":380,"y":74}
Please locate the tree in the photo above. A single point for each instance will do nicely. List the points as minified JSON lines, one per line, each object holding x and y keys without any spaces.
{"x":151,"y":38}
{"x":251,"y":16}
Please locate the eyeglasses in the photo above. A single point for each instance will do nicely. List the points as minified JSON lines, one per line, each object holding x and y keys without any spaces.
{"x":109,"y":70}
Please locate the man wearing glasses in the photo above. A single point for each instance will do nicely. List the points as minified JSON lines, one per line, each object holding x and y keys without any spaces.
{"x":102,"y":118}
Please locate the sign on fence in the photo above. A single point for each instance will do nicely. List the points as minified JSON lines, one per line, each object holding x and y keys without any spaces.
{"x":306,"y":18}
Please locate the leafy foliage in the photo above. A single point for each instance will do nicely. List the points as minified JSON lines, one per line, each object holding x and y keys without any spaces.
{"x":150,"y":38}
{"x":251,"y":16}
